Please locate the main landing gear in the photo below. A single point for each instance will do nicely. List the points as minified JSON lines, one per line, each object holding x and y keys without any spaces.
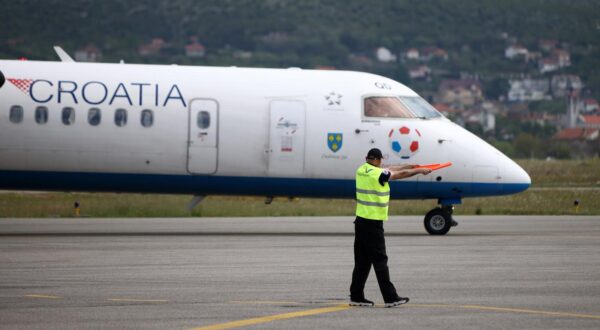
{"x":439,"y":220}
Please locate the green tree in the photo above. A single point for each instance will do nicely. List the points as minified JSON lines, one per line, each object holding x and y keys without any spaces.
{"x":495,"y":88}
{"x":527,"y":145}
{"x":557,"y":149}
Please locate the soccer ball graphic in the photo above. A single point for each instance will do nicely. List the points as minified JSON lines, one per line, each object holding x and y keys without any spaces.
{"x":404,"y":141}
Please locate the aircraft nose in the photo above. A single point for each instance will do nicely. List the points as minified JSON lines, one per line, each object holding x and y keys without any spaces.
{"x":515,"y":178}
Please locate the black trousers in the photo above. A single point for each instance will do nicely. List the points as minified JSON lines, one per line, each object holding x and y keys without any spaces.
{"x":369,"y":249}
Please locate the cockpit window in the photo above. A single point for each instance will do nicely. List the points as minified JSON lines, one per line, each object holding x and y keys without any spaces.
{"x":386,"y":107}
{"x":399,"y":107}
{"x":420,"y":107}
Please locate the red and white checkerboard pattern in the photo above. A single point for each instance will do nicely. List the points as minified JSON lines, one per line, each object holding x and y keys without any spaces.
{"x":22,"y":84}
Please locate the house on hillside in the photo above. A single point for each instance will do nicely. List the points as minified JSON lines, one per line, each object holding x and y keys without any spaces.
{"x":465,"y":92}
{"x":384,"y":55}
{"x":533,"y":57}
{"x":562,"y":56}
{"x":412,"y":54}
{"x":482,"y":117}
{"x":431,"y":53}
{"x":540,"y":118}
{"x":528,"y":89}
{"x":590,"y":105}
{"x":89,"y":53}
{"x":563,"y":85}
{"x":515,"y":51}
{"x":577,"y":134}
{"x":548,"y":64}
{"x":152,"y":48}
{"x":589,"y":121}
{"x":419,"y":72}
{"x":585,"y":137}
{"x":195,"y":49}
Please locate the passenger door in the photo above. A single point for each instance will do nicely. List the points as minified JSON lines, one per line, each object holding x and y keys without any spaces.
{"x":203,"y":136}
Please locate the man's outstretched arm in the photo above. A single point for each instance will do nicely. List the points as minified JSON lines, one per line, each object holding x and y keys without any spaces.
{"x":399,"y":167}
{"x":407,"y":173}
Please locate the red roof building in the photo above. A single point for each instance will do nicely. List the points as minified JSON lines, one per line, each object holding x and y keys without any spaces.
{"x":590,"y":121}
{"x":412,"y":54}
{"x":152,"y":48}
{"x":577,"y":133}
{"x":430,"y":53}
{"x":194,"y":49}
{"x":548,"y":64}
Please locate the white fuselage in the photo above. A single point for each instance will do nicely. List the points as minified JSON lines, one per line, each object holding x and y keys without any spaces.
{"x":231,"y":130}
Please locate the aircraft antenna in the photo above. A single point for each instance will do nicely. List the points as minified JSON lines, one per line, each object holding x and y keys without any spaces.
{"x":64,"y":57}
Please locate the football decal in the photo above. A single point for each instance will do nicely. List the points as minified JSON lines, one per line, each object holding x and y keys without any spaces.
{"x":404,"y":141}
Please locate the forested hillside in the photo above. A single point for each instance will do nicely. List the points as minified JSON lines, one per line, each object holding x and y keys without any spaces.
{"x":316,"y":31}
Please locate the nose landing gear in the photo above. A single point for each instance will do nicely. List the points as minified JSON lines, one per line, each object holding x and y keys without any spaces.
{"x":439,"y":220}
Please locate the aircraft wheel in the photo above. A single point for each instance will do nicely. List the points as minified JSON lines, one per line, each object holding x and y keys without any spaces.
{"x":438,"y":222}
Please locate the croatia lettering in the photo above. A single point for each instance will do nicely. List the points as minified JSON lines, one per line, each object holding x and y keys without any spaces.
{"x":101,"y":93}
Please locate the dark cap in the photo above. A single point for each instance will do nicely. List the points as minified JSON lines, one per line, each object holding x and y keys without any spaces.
{"x":374,"y":154}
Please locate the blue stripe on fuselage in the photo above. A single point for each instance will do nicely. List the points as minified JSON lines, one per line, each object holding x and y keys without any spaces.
{"x":238,"y":185}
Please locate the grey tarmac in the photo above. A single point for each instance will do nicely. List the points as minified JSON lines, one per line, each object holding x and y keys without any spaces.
{"x":490,"y":272}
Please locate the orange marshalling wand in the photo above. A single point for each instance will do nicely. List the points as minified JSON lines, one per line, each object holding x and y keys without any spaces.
{"x":434,"y":167}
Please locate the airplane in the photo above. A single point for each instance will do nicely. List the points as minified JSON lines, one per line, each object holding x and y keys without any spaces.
{"x":101,"y":127}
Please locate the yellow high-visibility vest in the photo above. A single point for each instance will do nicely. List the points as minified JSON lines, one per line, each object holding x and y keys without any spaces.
{"x":372,"y":199}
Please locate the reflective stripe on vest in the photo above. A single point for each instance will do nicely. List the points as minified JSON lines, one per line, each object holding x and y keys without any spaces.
{"x":372,"y":199}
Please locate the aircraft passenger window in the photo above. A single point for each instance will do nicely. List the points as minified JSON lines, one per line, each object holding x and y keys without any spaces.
{"x":16,"y":114}
{"x":68,"y":116}
{"x":94,"y":116}
{"x":420,"y":107}
{"x":147,"y":118}
{"x":386,"y":107}
{"x":203,"y":119}
{"x":121,"y":117}
{"x":41,"y":115}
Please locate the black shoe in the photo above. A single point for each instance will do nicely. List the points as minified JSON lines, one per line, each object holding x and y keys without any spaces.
{"x":453,"y":223}
{"x":361,"y":302}
{"x":397,"y":302}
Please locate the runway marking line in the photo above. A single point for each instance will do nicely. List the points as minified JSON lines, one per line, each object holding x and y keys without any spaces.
{"x":340,"y":307}
{"x":270,"y":318}
{"x":505,"y":309}
{"x":138,"y":300}
{"x":42,"y":296}
{"x":268,"y":302}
